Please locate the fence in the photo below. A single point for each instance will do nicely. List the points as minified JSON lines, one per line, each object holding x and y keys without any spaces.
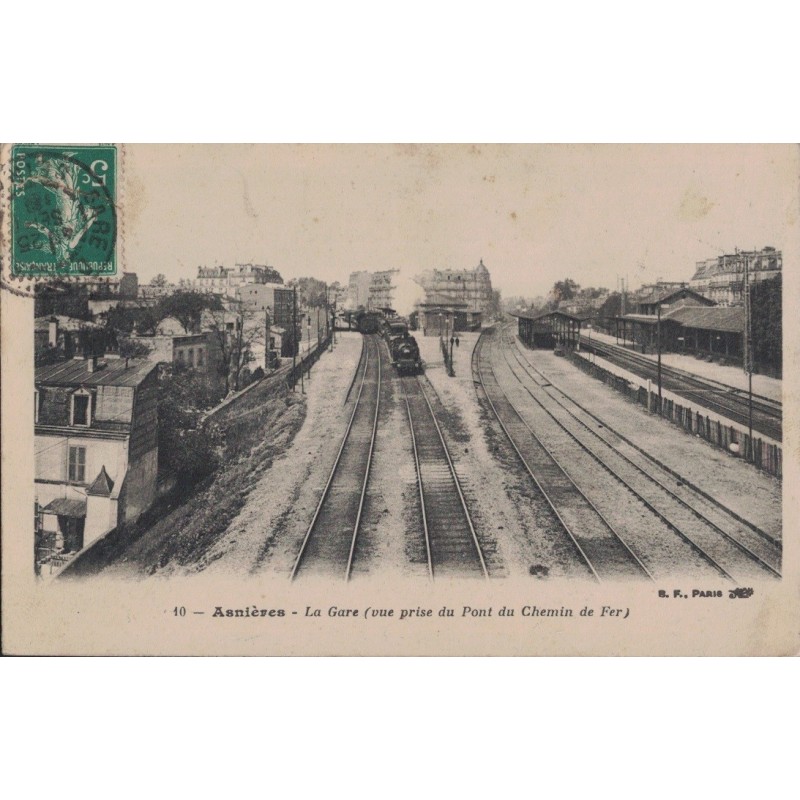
{"x":237,"y":414}
{"x":767,"y":457}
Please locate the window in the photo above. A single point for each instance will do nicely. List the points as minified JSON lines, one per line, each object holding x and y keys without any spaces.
{"x":191,"y":357}
{"x":81,"y":409}
{"x":77,"y":464}
{"x":201,"y":356}
{"x":180,"y":356}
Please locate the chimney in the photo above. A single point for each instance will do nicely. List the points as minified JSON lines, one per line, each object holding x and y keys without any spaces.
{"x":91,"y":363}
{"x":52,"y":332}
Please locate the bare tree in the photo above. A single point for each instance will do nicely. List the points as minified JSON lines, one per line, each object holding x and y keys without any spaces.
{"x":235,"y":333}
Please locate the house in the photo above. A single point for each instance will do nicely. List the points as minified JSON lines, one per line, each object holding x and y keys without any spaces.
{"x":96,"y":449}
{"x":171,"y":345}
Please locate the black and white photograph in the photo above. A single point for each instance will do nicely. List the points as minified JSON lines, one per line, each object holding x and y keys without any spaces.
{"x":520,"y":373}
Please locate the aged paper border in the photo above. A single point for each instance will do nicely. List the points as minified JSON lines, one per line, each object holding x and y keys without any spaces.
{"x":101,"y":617}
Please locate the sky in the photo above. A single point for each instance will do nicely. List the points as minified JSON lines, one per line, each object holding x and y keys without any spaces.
{"x":535,"y":214}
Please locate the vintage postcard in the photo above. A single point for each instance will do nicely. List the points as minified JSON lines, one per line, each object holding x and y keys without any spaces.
{"x":399,"y":399}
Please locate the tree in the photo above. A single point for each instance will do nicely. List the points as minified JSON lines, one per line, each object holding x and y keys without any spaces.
{"x":133,"y":348}
{"x":123,"y":320}
{"x":311,"y":293}
{"x":235,"y":333}
{"x":564,"y":290}
{"x":188,"y":308}
{"x":496,"y":305}
{"x":186,"y":447}
{"x":159,"y":280}
{"x":66,"y":298}
{"x":767,"y":323}
{"x":612,"y":307}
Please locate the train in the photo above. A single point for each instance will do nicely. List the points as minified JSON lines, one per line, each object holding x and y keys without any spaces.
{"x":403,"y":347}
{"x":370,"y":321}
{"x":405,"y":355}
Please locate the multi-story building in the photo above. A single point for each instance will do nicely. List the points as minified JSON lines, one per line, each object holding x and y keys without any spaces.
{"x":381,"y":289}
{"x":150,"y":291}
{"x":721,"y":279}
{"x":370,"y":290}
{"x":471,"y":289}
{"x":268,"y":297}
{"x":225,"y":280}
{"x":96,"y":449}
{"x":358,"y":295}
{"x":198,"y":351}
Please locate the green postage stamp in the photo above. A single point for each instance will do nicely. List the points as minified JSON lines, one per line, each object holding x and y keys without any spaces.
{"x":63,"y":210}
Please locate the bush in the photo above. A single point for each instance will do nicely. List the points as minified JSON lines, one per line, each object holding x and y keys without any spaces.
{"x":186,"y":448}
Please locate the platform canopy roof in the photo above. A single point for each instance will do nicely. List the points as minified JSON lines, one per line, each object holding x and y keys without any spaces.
{"x":660,"y":296}
{"x":550,"y":314}
{"x":717,"y":318}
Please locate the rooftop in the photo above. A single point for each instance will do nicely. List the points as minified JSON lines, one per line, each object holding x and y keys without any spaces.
{"x":64,"y":323}
{"x":540,"y":315}
{"x":660,"y":295}
{"x":711,"y":319}
{"x":435,"y":299}
{"x":109,"y":372}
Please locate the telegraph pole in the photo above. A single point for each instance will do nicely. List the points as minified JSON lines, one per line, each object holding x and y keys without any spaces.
{"x":658,"y":340}
{"x":748,"y":351}
{"x":308,"y":349}
{"x":294,"y":338}
{"x":267,"y":333}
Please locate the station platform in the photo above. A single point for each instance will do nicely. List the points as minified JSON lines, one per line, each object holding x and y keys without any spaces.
{"x":638,"y":380}
{"x":732,"y":376}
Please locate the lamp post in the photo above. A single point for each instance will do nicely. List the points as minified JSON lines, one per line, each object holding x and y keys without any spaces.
{"x":294,"y":338}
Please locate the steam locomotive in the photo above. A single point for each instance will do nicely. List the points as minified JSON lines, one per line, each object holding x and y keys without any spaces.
{"x":405,"y":355}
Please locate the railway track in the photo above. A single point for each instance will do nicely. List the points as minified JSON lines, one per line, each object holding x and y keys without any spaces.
{"x":735,"y":547}
{"x":330,"y":541}
{"x":601,"y":548}
{"x":451,"y":544}
{"x":727,"y":401}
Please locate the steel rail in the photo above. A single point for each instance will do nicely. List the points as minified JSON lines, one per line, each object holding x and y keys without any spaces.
{"x":730,"y":538}
{"x":649,"y":505}
{"x":690,"y":387}
{"x":544,"y":493}
{"x":326,"y":489}
{"x":357,"y":524}
{"x":419,"y":486}
{"x":454,"y":475}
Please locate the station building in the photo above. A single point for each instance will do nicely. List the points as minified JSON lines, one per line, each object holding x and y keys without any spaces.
{"x":465,"y":295}
{"x":440,"y":315}
{"x":640,"y":328}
